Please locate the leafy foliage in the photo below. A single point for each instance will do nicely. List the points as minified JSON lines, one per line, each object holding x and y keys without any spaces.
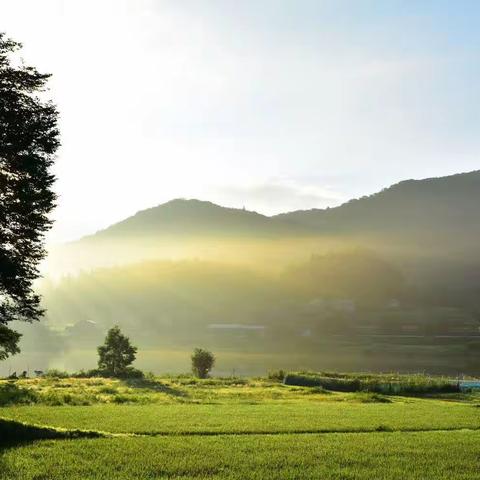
{"x":28,"y":141}
{"x":386,"y":384}
{"x":202,"y":362}
{"x":116,"y":354}
{"x":11,"y":394}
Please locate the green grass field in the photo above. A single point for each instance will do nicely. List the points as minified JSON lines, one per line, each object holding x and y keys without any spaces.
{"x":421,"y":456}
{"x":236,"y":429}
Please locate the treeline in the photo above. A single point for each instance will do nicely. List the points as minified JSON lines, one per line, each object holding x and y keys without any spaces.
{"x":168,"y":297}
{"x":167,"y":293}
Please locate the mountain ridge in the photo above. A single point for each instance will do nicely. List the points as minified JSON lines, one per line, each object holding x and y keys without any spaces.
{"x":433,"y":222}
{"x":183,"y":215}
{"x":422,"y":204}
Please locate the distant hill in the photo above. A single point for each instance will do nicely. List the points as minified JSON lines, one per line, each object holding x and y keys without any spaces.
{"x":446,"y":204}
{"x":181,"y":229}
{"x":411,"y":208}
{"x":429,"y":227}
{"x":196,"y":217}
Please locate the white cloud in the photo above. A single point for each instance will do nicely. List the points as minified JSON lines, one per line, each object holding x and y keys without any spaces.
{"x":274,"y":198}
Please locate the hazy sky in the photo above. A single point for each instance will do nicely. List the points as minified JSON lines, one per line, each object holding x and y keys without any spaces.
{"x":269,"y":104}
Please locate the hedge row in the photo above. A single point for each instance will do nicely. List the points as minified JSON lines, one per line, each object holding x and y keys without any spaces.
{"x":407,"y":385}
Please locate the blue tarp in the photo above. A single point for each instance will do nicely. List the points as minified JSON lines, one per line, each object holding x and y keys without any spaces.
{"x":466,"y":384}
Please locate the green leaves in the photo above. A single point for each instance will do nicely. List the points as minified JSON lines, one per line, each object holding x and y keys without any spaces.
{"x":28,"y":142}
{"x":202,"y":362}
{"x":116,"y":354}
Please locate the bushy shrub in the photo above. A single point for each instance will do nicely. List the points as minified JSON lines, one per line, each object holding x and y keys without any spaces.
{"x":276,"y":375}
{"x":57,"y":399}
{"x":225,"y":381}
{"x":150,"y":376}
{"x":129,"y":372}
{"x":11,"y":394}
{"x":202,"y":362}
{"x":384,"y":384}
{"x":108,"y":390}
{"x":119,"y":398}
{"x":328,"y":383}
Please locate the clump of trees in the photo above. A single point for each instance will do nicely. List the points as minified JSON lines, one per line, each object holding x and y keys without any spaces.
{"x":202,"y":362}
{"x":28,"y":142}
{"x":116,"y":354}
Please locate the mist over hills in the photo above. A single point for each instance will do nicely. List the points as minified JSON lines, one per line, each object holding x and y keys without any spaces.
{"x":371,"y":282}
{"x":186,"y":217}
{"x":426,"y":229}
{"x":413,"y":222}
{"x":440,"y":203}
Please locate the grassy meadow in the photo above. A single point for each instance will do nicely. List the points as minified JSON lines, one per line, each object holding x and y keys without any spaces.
{"x":234,"y":428}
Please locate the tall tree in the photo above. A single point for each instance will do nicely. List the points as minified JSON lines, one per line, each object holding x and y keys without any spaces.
{"x":116,"y":354}
{"x":28,"y":142}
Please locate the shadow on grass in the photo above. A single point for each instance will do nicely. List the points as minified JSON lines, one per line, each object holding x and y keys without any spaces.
{"x":14,"y":433}
{"x":155,"y":386}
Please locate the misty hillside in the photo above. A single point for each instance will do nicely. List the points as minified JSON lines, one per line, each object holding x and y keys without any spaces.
{"x":403,"y":260}
{"x":180,"y":229}
{"x":435,"y":204}
{"x":430,"y":227}
{"x":351,"y":305}
{"x":447,"y":204}
{"x":196,"y":217}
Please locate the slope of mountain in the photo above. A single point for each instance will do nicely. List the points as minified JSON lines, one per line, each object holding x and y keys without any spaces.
{"x":430,"y":226}
{"x":196,"y":217}
{"x":181,"y":229}
{"x":446,"y":204}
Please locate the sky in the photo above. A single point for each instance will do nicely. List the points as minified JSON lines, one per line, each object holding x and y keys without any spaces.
{"x":272,"y":105}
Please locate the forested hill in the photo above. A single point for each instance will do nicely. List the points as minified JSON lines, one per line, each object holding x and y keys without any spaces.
{"x":430,"y":226}
{"x":447,"y":204}
{"x":182,"y":229}
{"x":196,"y":217}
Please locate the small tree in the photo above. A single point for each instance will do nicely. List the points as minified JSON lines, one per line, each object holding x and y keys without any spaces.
{"x":116,"y":354}
{"x":202,"y":362}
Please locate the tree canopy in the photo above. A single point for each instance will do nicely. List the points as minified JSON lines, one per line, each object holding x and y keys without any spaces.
{"x":28,"y":142}
{"x":116,"y":354}
{"x":202,"y":362}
